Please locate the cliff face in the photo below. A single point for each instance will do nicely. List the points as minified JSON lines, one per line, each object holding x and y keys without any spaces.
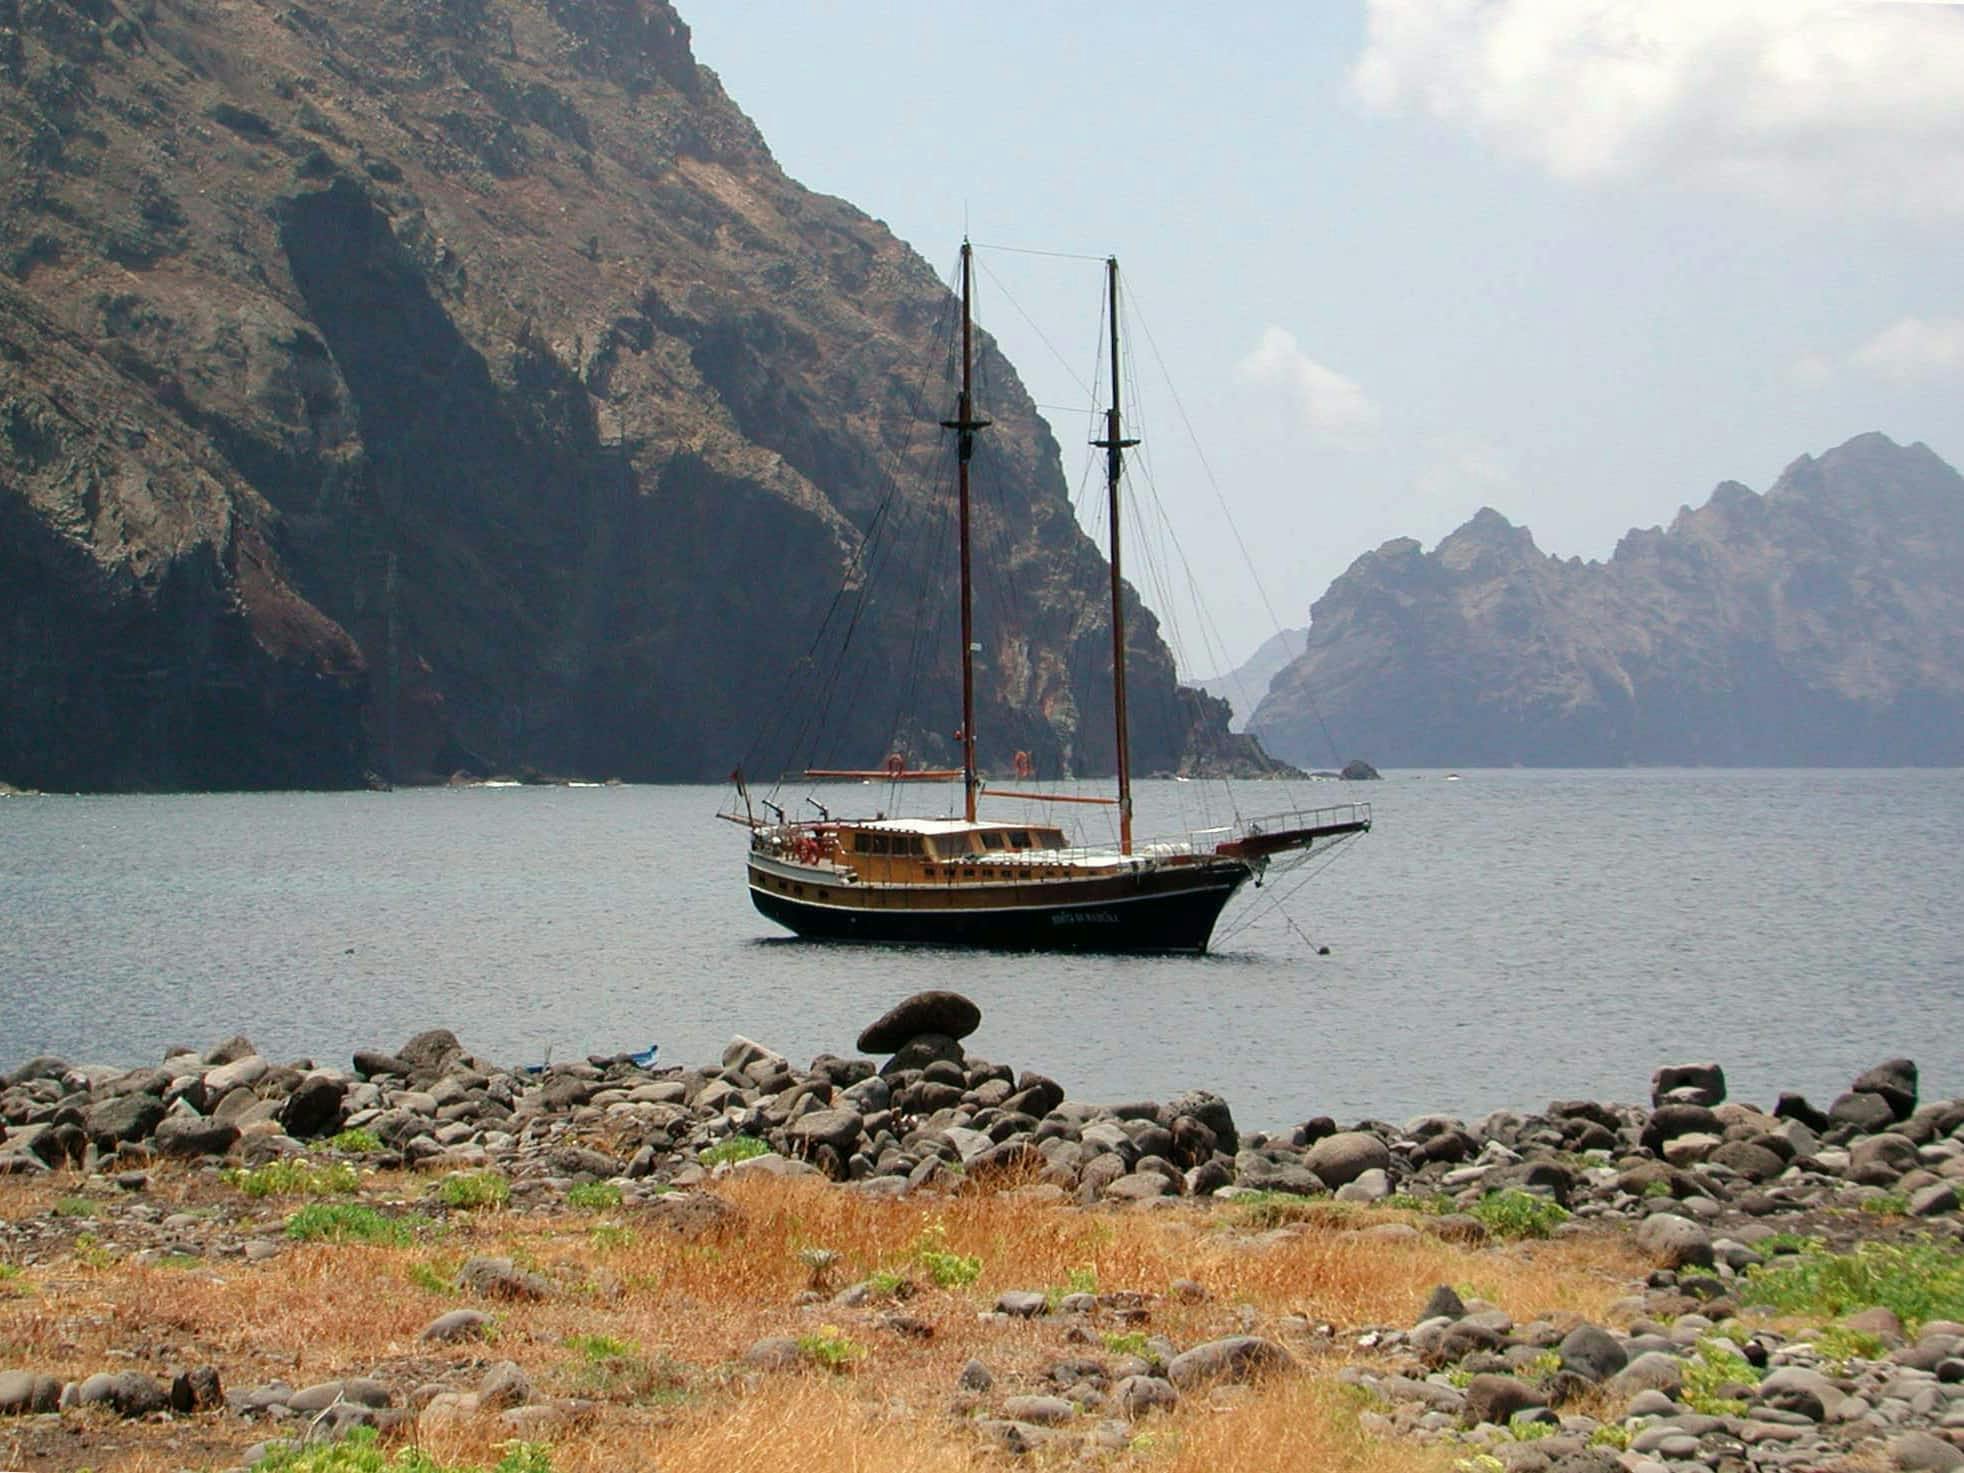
{"x":1821,"y":623}
{"x":396,"y":386}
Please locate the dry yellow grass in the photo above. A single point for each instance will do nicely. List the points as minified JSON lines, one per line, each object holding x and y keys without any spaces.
{"x":683,"y":1309}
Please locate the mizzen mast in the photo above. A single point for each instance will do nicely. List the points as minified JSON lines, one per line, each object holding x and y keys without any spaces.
{"x":1115,"y":445}
{"x":965,"y":424}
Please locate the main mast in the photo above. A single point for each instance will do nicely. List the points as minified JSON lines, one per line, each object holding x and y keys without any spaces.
{"x":1114,"y":445}
{"x":964,"y":424}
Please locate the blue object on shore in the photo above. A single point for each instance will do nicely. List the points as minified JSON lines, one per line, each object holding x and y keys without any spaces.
{"x":646,"y":1058}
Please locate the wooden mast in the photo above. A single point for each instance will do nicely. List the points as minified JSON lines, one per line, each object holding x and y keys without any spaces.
{"x":964,"y":424}
{"x":1114,"y":445}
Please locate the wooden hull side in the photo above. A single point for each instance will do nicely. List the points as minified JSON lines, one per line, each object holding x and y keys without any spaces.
{"x":1170,"y":909}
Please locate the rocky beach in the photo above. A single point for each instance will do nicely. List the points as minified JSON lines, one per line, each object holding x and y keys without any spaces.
{"x":912,"y":1257}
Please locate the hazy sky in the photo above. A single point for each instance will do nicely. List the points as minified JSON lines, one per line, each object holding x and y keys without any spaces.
{"x":1578,"y":260}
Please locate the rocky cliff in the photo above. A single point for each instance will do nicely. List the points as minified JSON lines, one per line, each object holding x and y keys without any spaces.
{"x":1244,"y":686}
{"x":1821,"y":623}
{"x":392,"y":387}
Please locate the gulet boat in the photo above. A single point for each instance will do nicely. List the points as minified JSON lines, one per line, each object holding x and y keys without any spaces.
{"x":976,"y":882}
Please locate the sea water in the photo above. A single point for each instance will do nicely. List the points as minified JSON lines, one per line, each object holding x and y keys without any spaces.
{"x":1502,"y":938}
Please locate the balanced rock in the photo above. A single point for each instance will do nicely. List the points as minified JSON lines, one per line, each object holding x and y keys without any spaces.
{"x":946,"y":1013}
{"x":1895,"y":1081}
{"x":1705,"y":1084}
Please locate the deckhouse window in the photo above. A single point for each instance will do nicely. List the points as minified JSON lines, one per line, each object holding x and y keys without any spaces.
{"x":991,"y":840}
{"x":878,"y":842}
{"x":1019,"y":838}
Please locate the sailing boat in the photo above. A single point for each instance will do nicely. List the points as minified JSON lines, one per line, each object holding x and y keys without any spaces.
{"x":970,"y":881}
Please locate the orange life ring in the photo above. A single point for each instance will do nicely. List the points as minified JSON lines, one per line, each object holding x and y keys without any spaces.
{"x":896,"y":764}
{"x":808,"y":849}
{"x":1024,"y":766}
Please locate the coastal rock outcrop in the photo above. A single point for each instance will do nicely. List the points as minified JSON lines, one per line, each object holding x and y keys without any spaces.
{"x":1819,"y":624}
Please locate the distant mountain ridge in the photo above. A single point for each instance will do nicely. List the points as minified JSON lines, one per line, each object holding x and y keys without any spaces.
{"x":1819,"y":624}
{"x":1244,"y":686}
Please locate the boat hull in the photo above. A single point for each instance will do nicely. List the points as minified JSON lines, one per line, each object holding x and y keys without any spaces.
{"x":1170,"y":909}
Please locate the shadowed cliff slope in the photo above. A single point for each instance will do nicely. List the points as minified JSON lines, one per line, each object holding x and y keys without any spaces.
{"x":391,"y":387}
{"x":1821,"y":623}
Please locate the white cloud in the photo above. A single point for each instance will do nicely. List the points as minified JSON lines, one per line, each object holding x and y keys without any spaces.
{"x":1809,"y":370}
{"x":1914,"y":349}
{"x":1332,"y":407}
{"x":1835,"y":102}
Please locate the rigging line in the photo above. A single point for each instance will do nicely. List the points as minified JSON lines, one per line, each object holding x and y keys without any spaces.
{"x":1009,"y":250}
{"x":1227,"y":516}
{"x":1276,"y":902}
{"x":1037,"y":328}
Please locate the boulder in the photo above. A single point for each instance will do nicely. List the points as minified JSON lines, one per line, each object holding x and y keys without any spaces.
{"x":314,"y":1107}
{"x":839,"y":1129}
{"x":1496,"y":1399}
{"x":1347,"y":1155}
{"x":431,"y":1052}
{"x":184,"y":1137}
{"x":124,"y":1118}
{"x":1864,"y":1110}
{"x":1236,"y":1358}
{"x":1138,"y":1395}
{"x":23,"y":1392}
{"x":1211,"y":1111}
{"x":1670,"y":1121}
{"x":1592,"y":1353}
{"x":500,"y":1278}
{"x":1895,"y":1081}
{"x":127,"y":1393}
{"x":1675,"y":1242}
{"x":237,"y":1047}
{"x":947,"y":1013}
{"x":1705,"y":1081}
{"x":458,"y":1324}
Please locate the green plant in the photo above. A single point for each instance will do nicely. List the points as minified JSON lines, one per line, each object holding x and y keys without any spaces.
{"x":295,"y":1177}
{"x":1919,"y":1281}
{"x":1132,"y":1342}
{"x":611,"y":1369}
{"x":594,"y":1196}
{"x":1710,"y":1369}
{"x":1786,"y":1242}
{"x":1513,"y":1213}
{"x":437,"y":1276}
{"x":90,"y":1253}
{"x":77,"y":1207}
{"x":736,"y":1148}
{"x":1610,"y":1434}
{"x":1458,"y":1376}
{"x":359,"y":1452}
{"x":1081,"y":1280}
{"x":1658,"y":1188}
{"x":609,"y":1235}
{"x":948,"y":1270}
{"x":1544,"y":1364}
{"x":178,"y":1260}
{"x":1838,"y":1345}
{"x":1266,"y":1209}
{"x":888,"y":1283}
{"x":346,"y":1222}
{"x":467,"y":1191}
{"x":12,"y":1282}
{"x":1532,"y":1431}
{"x":1887,"y":1204}
{"x":831,"y":1347}
{"x":1435,"y":1204}
{"x":357,"y":1142}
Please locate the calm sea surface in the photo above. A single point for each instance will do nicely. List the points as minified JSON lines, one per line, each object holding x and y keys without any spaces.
{"x":1501,"y":940}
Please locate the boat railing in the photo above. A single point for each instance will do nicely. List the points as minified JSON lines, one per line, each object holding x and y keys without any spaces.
{"x":1298,"y":820}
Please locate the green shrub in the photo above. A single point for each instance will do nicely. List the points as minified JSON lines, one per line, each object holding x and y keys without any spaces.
{"x":594,"y":1196}
{"x":77,"y":1207}
{"x":346,"y":1222}
{"x":1132,"y":1342}
{"x":889,"y":1283}
{"x":606,"y":1236}
{"x":1513,"y":1213}
{"x":1612,"y":1435}
{"x":1838,"y":1345}
{"x":295,"y":1177}
{"x":946,"y":1269}
{"x":1919,"y":1281}
{"x":1713,"y":1366}
{"x":1265,"y":1209}
{"x":467,"y":1191}
{"x":736,"y":1148}
{"x":357,"y":1142}
{"x":437,"y":1276}
{"x":611,"y":1369}
{"x":1435,"y":1204}
{"x":1888,"y":1204}
{"x":831,"y":1347}
{"x":360,"y":1453}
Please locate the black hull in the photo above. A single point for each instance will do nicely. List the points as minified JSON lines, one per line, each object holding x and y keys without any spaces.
{"x":1167,"y":919}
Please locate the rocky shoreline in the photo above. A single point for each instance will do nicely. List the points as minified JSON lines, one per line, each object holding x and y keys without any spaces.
{"x":1713,"y":1198}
